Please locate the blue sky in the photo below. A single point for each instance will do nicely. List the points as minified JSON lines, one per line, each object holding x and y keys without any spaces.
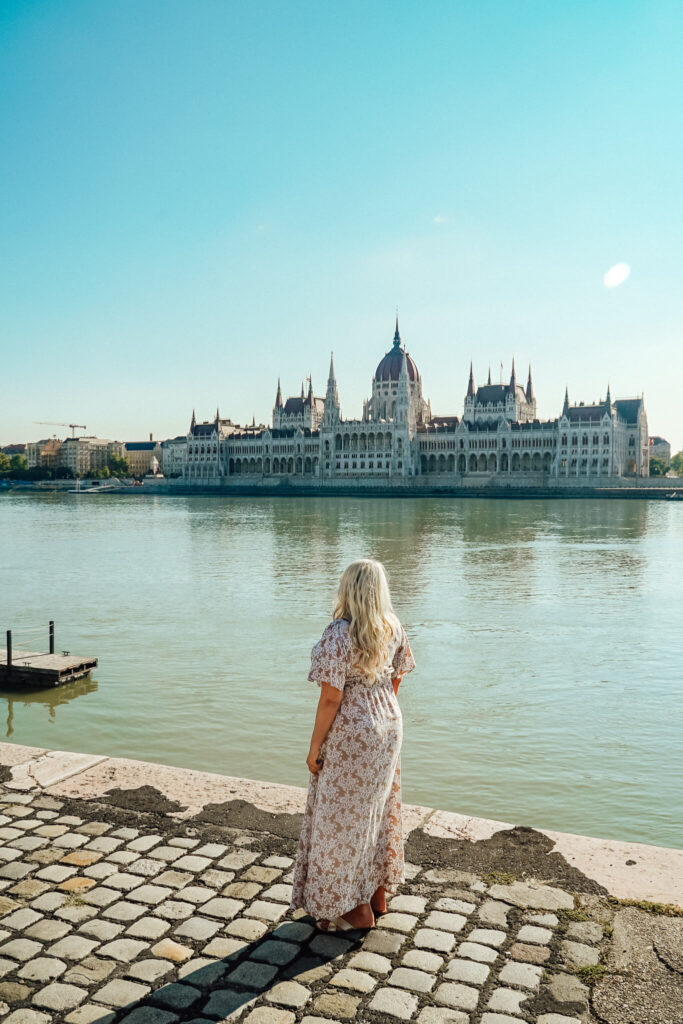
{"x":201,"y":196}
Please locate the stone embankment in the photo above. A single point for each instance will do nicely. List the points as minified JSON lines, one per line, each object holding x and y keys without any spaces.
{"x":153,"y":895}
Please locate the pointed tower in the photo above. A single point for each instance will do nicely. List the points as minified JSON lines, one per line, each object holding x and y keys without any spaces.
{"x":529,"y":388}
{"x":332,"y":412}
{"x":277,"y":409}
{"x":513,"y":378}
{"x":565,"y":407}
{"x":309,"y":397}
{"x":489,"y":380}
{"x":302,"y":391}
{"x":470,"y":383}
{"x":193,"y":424}
{"x":608,"y":402}
{"x":397,"y":336}
{"x":218,"y":416}
{"x":402,"y":414}
{"x":468,"y":412}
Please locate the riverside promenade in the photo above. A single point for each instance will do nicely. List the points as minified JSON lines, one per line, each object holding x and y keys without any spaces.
{"x":148,"y":894}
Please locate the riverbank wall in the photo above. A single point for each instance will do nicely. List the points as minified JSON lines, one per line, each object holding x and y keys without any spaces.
{"x":623,"y":869}
{"x":137,"y":893}
{"x":650,"y":488}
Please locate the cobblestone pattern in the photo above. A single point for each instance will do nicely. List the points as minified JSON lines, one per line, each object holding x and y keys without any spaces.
{"x":106,"y":923}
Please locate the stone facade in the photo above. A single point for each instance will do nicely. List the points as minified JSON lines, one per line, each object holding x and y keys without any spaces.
{"x":660,"y":449}
{"x":140,"y":454}
{"x":498,"y":437}
{"x":79,"y":454}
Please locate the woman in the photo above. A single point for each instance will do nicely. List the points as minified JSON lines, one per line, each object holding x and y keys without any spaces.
{"x":351,"y":846}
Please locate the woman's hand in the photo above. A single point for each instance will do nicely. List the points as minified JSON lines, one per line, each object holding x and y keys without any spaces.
{"x":313,"y":760}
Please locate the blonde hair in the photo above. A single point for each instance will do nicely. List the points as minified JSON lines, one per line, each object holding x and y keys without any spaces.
{"x":363,"y":599}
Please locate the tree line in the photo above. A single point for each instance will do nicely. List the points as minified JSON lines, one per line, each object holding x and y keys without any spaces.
{"x":15,"y":467}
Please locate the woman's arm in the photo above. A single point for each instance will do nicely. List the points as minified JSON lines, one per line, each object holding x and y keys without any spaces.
{"x":396,"y":682}
{"x":328,"y":705}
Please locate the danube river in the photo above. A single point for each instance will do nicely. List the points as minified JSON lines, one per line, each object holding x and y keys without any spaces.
{"x":547,"y":635}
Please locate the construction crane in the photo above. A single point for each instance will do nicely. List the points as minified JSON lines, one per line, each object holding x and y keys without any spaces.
{"x":74,"y":426}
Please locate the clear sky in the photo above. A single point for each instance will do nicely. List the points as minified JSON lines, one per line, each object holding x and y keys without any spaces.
{"x":201,"y":195}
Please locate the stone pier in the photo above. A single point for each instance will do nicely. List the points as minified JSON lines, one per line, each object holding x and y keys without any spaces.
{"x":153,"y":895}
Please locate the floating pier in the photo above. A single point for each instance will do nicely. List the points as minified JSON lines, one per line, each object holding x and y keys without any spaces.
{"x":41,"y":669}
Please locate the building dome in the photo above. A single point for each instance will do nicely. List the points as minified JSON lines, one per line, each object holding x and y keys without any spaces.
{"x":389,"y":368}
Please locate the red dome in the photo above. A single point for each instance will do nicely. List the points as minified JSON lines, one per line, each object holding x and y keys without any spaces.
{"x":390,"y":367}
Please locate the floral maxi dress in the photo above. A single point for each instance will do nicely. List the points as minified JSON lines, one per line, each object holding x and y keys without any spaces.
{"x":351,"y":838}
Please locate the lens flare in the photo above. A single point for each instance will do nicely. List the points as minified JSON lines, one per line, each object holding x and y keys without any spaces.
{"x":616,"y":275}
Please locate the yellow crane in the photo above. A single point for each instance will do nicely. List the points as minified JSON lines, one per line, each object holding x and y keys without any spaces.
{"x":74,"y":426}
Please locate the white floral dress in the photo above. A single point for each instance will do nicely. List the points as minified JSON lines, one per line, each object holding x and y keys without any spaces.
{"x":351,"y":838}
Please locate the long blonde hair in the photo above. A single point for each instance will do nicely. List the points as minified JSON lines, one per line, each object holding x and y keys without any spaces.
{"x":363,"y":599}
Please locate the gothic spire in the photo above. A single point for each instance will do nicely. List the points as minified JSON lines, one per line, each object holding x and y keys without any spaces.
{"x":470,"y":385}
{"x":331,"y":380}
{"x":331,"y":397}
{"x":529,"y":387}
{"x":565,"y":407}
{"x":194,"y":421}
{"x":489,"y":380}
{"x":397,"y":336}
{"x":608,"y":401}
{"x":513,"y":377}
{"x":310,"y":389}
{"x":278,"y":397}
{"x":302,"y":391}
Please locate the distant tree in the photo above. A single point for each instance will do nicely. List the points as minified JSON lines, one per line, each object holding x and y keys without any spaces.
{"x":119,"y":466}
{"x":18,"y":462}
{"x":5,"y":463}
{"x":677,"y":464}
{"x":658,"y":467}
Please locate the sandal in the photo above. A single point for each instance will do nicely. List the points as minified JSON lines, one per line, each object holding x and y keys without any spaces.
{"x":339,"y":924}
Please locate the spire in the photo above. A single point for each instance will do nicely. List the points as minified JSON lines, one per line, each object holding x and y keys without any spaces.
{"x":218,"y":415}
{"x":489,"y":380}
{"x":310,"y":389}
{"x":302,"y":391}
{"x":608,"y":401}
{"x":332,"y":412}
{"x":397,"y":336}
{"x":404,"y":409}
{"x":278,"y":397}
{"x":529,"y":388}
{"x":470,"y":385}
{"x":513,"y":378}
{"x":194,"y":421}
{"x":565,"y":407}
{"x":403,"y":372}
{"x":331,"y":380}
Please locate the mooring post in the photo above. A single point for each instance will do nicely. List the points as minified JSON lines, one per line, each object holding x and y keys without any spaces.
{"x":52,"y":636}
{"x":9,"y":649}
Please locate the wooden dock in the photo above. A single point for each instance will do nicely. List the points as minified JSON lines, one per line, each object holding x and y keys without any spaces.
{"x":35,"y":668}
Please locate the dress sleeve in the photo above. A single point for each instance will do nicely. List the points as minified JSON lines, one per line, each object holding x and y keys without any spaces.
{"x":403,"y":660}
{"x":329,"y":658}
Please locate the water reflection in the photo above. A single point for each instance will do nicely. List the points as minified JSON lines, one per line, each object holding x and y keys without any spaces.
{"x":522,"y":615}
{"x":51,"y":699}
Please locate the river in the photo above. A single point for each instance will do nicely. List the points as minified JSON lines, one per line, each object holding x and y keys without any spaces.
{"x":547,"y":635}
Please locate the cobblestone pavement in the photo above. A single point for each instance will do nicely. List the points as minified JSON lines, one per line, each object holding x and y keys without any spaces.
{"x":148,"y":924}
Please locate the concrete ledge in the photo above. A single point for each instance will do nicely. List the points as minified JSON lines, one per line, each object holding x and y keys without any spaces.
{"x":624,"y":870}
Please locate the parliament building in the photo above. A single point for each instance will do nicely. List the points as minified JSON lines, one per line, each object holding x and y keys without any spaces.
{"x":497,"y":438}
